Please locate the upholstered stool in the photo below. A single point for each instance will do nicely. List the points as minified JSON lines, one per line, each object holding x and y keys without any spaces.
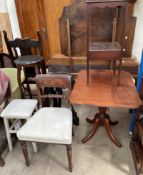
{"x":48,"y":125}
{"x":15,"y":111}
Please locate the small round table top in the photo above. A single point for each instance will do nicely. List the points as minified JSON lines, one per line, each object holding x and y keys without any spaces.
{"x":28,"y":59}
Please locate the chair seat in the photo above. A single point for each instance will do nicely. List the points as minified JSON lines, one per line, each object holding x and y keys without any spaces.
{"x":105,"y":46}
{"x":48,"y":125}
{"x":28,"y":59}
{"x":19,"y":109}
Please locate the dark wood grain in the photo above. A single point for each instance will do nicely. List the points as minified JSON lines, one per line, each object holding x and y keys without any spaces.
{"x":77,"y":15}
{"x":59,"y":81}
{"x":104,"y":51}
{"x":27,"y":46}
{"x":101,"y":27}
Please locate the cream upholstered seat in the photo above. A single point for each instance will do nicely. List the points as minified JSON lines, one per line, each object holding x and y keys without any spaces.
{"x":16,"y":110}
{"x":19,"y":109}
{"x":51,"y":125}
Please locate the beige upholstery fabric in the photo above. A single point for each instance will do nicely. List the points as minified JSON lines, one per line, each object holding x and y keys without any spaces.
{"x":48,"y":125}
{"x":19,"y":109}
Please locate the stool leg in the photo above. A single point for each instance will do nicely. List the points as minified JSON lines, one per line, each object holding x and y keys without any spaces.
{"x":35,"y":147}
{"x":8,"y":135}
{"x":37,"y":69}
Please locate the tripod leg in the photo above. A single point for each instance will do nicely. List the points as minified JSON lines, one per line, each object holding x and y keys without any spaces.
{"x":92,"y":131}
{"x":109,"y":131}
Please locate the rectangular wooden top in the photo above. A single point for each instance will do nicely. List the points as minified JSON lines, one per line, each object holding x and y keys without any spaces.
{"x":103,"y":91}
{"x":98,"y":1}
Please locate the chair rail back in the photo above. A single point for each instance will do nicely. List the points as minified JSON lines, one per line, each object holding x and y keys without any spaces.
{"x":27,"y":46}
{"x":59,"y":81}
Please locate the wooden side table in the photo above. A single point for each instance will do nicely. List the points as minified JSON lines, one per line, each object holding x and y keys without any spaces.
{"x":107,"y":50}
{"x":35,"y":61}
{"x":104,"y":92}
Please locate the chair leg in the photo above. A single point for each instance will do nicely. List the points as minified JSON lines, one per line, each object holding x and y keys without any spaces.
{"x":35,"y":147}
{"x":28,"y":85}
{"x":25,"y":152}
{"x":72,"y":131}
{"x":19,"y":82}
{"x":2,"y":163}
{"x":69,"y":154}
{"x":8,"y":135}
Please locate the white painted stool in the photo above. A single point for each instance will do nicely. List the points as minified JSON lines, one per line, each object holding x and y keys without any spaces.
{"x":15,"y":111}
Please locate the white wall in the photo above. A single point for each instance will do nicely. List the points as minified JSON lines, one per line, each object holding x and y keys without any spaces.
{"x":13,"y":18}
{"x":8,"y":6}
{"x":138,"y":40}
{"x":3,"y":6}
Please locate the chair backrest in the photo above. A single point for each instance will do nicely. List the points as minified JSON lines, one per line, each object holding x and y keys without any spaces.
{"x":44,"y":81}
{"x":26,"y":46}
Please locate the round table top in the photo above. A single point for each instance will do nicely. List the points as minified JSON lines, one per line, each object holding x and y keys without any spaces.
{"x":28,"y":59}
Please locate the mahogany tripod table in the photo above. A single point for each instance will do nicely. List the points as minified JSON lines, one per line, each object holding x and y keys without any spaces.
{"x":104,"y":92}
